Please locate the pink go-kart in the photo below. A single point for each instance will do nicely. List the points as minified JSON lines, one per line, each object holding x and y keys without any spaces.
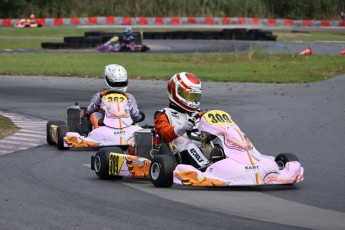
{"x":117,"y":130}
{"x":234,"y":159}
{"x":27,"y":23}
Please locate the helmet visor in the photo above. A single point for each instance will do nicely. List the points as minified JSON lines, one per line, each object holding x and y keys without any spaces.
{"x":117,"y":84}
{"x":188,"y":95}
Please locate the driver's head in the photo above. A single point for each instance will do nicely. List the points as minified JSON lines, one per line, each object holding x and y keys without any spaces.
{"x":115,"y":77}
{"x":128,"y":31}
{"x":184,"y":89}
{"x":32,"y":16}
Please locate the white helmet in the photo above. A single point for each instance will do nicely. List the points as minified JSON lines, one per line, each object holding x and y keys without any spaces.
{"x":115,"y":77}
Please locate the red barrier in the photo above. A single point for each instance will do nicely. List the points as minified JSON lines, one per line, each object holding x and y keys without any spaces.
{"x":58,"y":21}
{"x":226,"y":21}
{"x":143,"y":21}
{"x":92,"y":20}
{"x":325,"y":23}
{"x":175,"y":21}
{"x":159,"y":21}
{"x":288,"y":22}
{"x":241,"y":21}
{"x":307,"y":23}
{"x":256,"y":21}
{"x":109,"y":20}
{"x":127,"y":21}
{"x":209,"y":21}
{"x":271,"y":22}
{"x":75,"y":21}
{"x":41,"y":21}
{"x":191,"y":20}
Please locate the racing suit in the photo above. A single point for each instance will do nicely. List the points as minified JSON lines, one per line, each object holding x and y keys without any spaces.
{"x":165,"y":123}
{"x":127,"y":42}
{"x":96,"y":114}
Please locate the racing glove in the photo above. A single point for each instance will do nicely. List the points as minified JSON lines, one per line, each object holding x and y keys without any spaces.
{"x":187,"y":125}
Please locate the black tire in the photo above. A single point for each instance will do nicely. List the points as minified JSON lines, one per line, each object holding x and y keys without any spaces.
{"x":61,"y":133}
{"x":48,"y":126}
{"x":161,"y":171}
{"x":50,"y":45}
{"x":101,"y":163}
{"x":283,"y":158}
{"x":164,"y":149}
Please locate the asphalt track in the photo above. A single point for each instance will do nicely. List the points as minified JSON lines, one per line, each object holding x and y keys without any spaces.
{"x":43,"y":188}
{"x":219,"y":46}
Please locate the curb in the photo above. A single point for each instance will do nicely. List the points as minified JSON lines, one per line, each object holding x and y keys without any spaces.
{"x":176,"y":21}
{"x":32,"y":133}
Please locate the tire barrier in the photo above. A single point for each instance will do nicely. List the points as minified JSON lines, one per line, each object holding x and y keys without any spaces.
{"x":89,"y":40}
{"x":225,"y":34}
{"x":95,"y":38}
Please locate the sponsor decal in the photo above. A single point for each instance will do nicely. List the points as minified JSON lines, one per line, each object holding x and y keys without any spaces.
{"x":139,"y":163}
{"x":251,"y":167}
{"x":120,"y":132}
{"x":175,"y":114}
{"x":196,"y":155}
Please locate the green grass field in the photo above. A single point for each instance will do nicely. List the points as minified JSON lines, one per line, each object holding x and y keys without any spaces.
{"x":251,"y":67}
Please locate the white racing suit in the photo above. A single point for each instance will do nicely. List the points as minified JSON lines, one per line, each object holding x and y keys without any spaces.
{"x":95,"y":113}
{"x":165,"y":121}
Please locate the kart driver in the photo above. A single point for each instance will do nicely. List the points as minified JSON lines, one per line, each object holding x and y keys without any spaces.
{"x":184,"y":92}
{"x":32,"y":19}
{"x":115,"y":78}
{"x":126,"y":40}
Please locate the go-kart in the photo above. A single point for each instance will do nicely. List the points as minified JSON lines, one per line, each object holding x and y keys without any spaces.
{"x":117,"y":130}
{"x":234,"y":161}
{"x":117,"y":46}
{"x":26,"y":23}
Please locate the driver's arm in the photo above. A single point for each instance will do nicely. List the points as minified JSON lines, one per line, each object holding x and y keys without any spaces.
{"x":94,"y":104}
{"x":163,"y":128}
{"x":133,"y":107}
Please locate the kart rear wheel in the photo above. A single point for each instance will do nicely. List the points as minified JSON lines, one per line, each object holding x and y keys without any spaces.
{"x":48,"y":127}
{"x":161,"y":171}
{"x":283,"y":158}
{"x":61,"y":133}
{"x":101,"y":163}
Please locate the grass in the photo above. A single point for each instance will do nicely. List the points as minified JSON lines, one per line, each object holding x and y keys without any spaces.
{"x":7,"y":127}
{"x":311,"y":36}
{"x":251,"y":67}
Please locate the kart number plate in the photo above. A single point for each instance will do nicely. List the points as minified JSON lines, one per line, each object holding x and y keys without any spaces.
{"x":115,"y":163}
{"x":218,"y":117}
{"x":114,"y":98}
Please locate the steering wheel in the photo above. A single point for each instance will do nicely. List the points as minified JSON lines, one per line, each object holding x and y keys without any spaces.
{"x":189,"y":132}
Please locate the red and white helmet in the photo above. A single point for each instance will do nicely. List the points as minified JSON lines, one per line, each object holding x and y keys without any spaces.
{"x":184,"y":89}
{"x":32,"y":16}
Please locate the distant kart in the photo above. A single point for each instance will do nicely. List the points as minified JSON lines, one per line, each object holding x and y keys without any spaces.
{"x":234,"y":159}
{"x":27,"y":23}
{"x":116,"y":46}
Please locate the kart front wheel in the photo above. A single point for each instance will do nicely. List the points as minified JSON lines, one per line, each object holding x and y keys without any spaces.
{"x":100,"y":163}
{"x":61,"y":133}
{"x":283,"y":158}
{"x":161,"y":171}
{"x":50,"y":141}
